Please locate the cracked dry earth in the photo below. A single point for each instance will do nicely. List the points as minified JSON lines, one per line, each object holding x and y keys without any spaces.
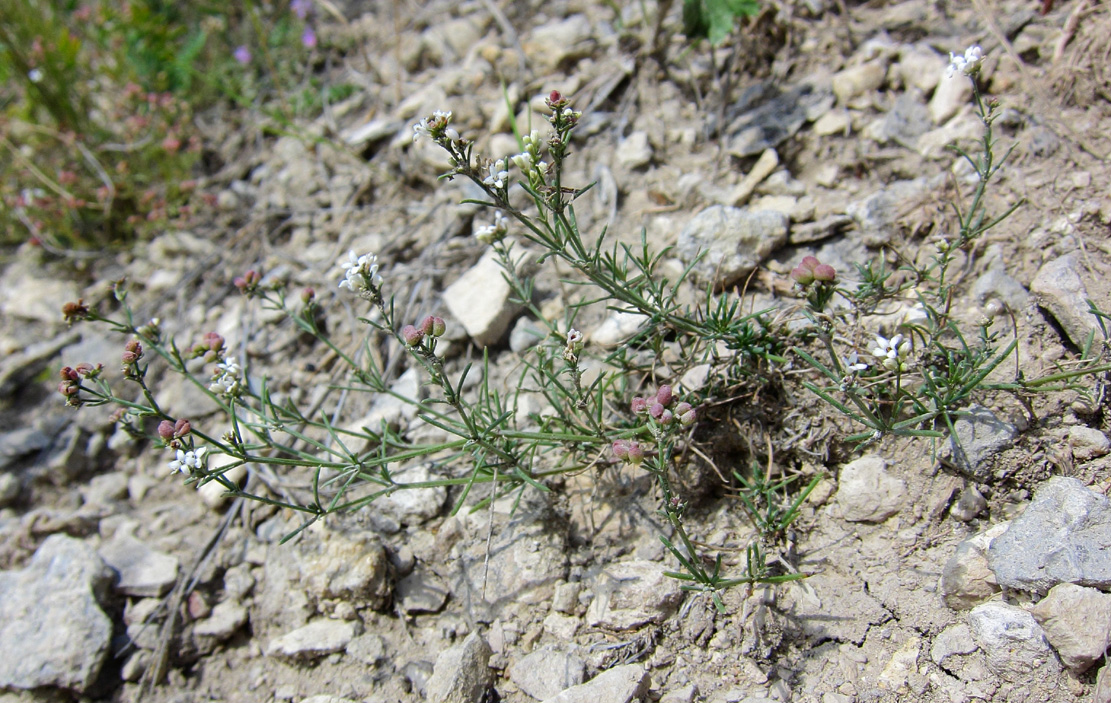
{"x":117,"y":575}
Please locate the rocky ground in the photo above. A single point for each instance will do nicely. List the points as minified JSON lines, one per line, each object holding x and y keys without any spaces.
{"x":929,"y":583}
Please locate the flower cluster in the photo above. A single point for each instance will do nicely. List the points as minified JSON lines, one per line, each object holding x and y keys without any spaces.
{"x":574,"y":346}
{"x":429,"y":327}
{"x":810,"y":270}
{"x":225,"y":380}
{"x":892,"y":353}
{"x":187,"y":462}
{"x":563,"y":117}
{"x":132,"y":352}
{"x":73,"y":312}
{"x":360,"y":276}
{"x":658,"y":408}
{"x":529,"y":160}
{"x":211,"y":347}
{"x":498,"y":174}
{"x":969,"y":64}
{"x":489,"y":234}
{"x":171,"y":432}
{"x":248,"y":282}
{"x":628,"y":450}
{"x":436,"y":127}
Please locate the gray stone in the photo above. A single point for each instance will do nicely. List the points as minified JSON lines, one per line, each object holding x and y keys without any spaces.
{"x":967,"y":579}
{"x":685,"y":694}
{"x":143,"y":572}
{"x":106,"y":489}
{"x":920,"y":67}
{"x":877,"y":215}
{"x":369,"y":648}
{"x":734,"y":242}
{"x":416,"y":505}
{"x":634,"y":151}
{"x":1060,"y":291}
{"x":313,"y":640}
{"x":527,"y":333}
{"x":551,"y":44}
{"x":461,"y":673}
{"x":866,"y":492}
{"x":952,"y":93}
{"x":526,"y":560}
{"x":421,"y":592}
{"x":1077,"y":622}
{"x":769,"y":115}
{"x":617,"y":328}
{"x":996,"y":284}
{"x":390,"y":410}
{"x":1063,"y":536}
{"x":480,"y":301}
{"x":9,"y":489}
{"x":951,"y":645}
{"x":1088,"y":442}
{"x":20,"y":443}
{"x":351,"y":569}
{"x":977,"y":436}
{"x":238,"y":582}
{"x":858,"y":80}
{"x":763,"y":167}
{"x":545,"y":672}
{"x":52,"y":630}
{"x":629,"y":594}
{"x":969,"y":505}
{"x":621,"y":684}
{"x":223,"y":622}
{"x":1013,"y":642}
{"x":903,"y":124}
{"x":28,"y":295}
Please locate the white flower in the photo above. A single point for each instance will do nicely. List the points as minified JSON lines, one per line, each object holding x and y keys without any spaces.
{"x":435,"y":127}
{"x":35,"y":75}
{"x":187,"y":461}
{"x":488,"y":234}
{"x":498,"y":174}
{"x":360,"y":275}
{"x":853,"y":362}
{"x":575,"y":344}
{"x":226,"y":379}
{"x":892,"y":353}
{"x":522,"y":161}
{"x":969,"y":64}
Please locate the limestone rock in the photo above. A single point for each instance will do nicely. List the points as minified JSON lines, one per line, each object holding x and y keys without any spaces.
{"x":977,"y":436}
{"x":545,"y":672}
{"x":1060,"y":291}
{"x":313,"y":640}
{"x":354,"y":570}
{"x":1013,"y":642}
{"x":1054,"y":539}
{"x":143,"y":571}
{"x":461,"y":674}
{"x":734,"y":242}
{"x":858,"y":80}
{"x":866,"y":492}
{"x":629,"y":594}
{"x":1077,"y":622}
{"x":52,"y":630}
{"x":967,"y":579}
{"x":952,"y":93}
{"x":480,"y":301}
{"x":621,"y":684}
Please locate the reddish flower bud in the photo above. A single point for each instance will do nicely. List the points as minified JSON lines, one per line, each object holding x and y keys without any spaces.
{"x":411,"y":335}
{"x":664,"y":396}
{"x":802,"y":276}
{"x":68,"y":389}
{"x":639,"y":405}
{"x":166,"y":430}
{"x":130,"y":357}
{"x":72,"y":312}
{"x":636,"y":453}
{"x":686,"y":414}
{"x":308,"y":295}
{"x":182,"y":428}
{"x":825,"y":273}
{"x":69,"y":374}
{"x":666,"y":417}
{"x":133,"y":346}
{"x":656,"y":411}
{"x":621,"y":449}
{"x":427,"y":325}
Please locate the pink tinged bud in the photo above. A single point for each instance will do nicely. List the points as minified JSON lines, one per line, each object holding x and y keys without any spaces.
{"x":182,"y":428}
{"x":666,"y":417}
{"x":638,"y":405}
{"x":427,"y":325}
{"x":130,"y":357}
{"x":438,"y":327}
{"x":825,"y":273}
{"x":809,"y":262}
{"x":308,"y":295}
{"x":636,"y":453}
{"x":686,"y":414}
{"x":135,"y":348}
{"x":84,"y":369}
{"x":656,"y":411}
{"x":69,"y":374}
{"x":664,"y":396}
{"x":68,"y":388}
{"x":621,"y":449}
{"x":803,"y":277}
{"x":411,"y":335}
{"x":166,"y":430}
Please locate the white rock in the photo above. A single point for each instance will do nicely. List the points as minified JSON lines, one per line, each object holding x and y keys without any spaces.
{"x":967,"y":578}
{"x":480,"y":300}
{"x":954,"y":641}
{"x":1060,"y":290}
{"x":1077,"y":622}
{"x":833,"y":122}
{"x":764,"y":166}
{"x":544,"y":673}
{"x":952,"y":93}
{"x":461,"y":674}
{"x":1088,"y":442}
{"x":1013,"y":642}
{"x":921,"y":67}
{"x":621,"y":684}
{"x":560,"y":40}
{"x":213,"y":493}
{"x":142,"y":571}
{"x":867,"y":493}
{"x":628,"y":594}
{"x":224,"y":621}
{"x":732,"y":241}
{"x":313,"y":640}
{"x":416,"y":505}
{"x":351,"y":569}
{"x":617,"y":328}
{"x":858,"y":80}
{"x":634,"y":151}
